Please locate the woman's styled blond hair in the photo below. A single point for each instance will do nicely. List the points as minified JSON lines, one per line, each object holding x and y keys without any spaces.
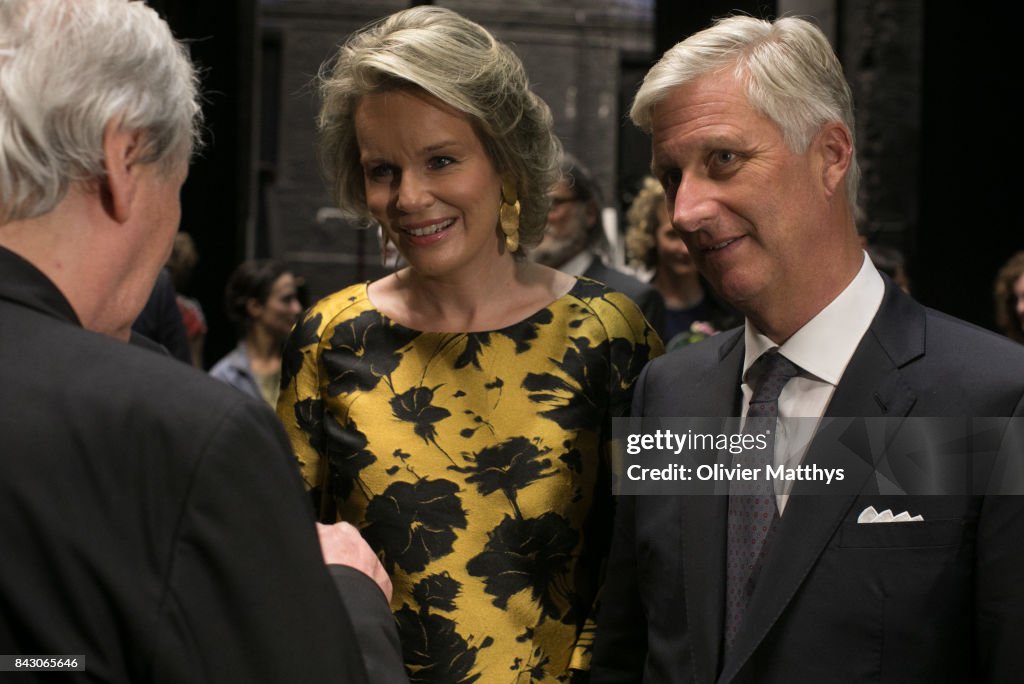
{"x":438,"y":52}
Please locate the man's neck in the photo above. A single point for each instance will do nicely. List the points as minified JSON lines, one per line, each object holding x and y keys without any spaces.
{"x":785,"y":312}
{"x":74,"y":258}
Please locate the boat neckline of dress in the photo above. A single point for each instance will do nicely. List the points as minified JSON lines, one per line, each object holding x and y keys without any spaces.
{"x":570,"y":293}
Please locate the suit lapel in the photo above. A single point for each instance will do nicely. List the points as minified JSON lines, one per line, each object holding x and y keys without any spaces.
{"x":704,"y":519}
{"x":871,"y":387}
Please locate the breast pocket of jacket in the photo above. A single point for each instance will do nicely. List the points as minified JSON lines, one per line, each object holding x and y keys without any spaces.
{"x":908,"y":535}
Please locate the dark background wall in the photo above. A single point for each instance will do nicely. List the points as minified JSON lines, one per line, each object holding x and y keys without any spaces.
{"x":936,"y":131}
{"x":970,"y":216}
{"x":218,"y":197}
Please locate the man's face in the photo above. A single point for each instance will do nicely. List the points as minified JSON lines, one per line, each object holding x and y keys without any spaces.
{"x":568,"y":227}
{"x":752,"y":212}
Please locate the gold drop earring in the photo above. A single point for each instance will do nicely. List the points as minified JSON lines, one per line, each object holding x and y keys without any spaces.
{"x":508,"y":215}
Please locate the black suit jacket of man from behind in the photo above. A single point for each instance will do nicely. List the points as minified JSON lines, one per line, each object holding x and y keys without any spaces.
{"x":835,"y":601}
{"x":154,"y":520}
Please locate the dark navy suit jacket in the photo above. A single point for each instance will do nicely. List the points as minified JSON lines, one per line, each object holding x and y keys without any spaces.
{"x":941,"y":600}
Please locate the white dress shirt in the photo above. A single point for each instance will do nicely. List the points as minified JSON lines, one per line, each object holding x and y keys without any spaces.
{"x":822,"y":349}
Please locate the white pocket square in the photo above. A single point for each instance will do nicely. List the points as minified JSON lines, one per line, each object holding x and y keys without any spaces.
{"x":870,"y":515}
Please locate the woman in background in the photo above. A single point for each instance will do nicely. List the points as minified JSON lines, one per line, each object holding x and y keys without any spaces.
{"x":458,"y":410}
{"x":262,"y":301}
{"x":656,"y":247}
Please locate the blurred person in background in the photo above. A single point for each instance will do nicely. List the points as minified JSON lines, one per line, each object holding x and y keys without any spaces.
{"x":181,"y":265}
{"x":575,"y":242}
{"x":160,"y":320}
{"x":262,"y":301}
{"x":655,"y":246}
{"x":459,"y":409}
{"x":1009,"y":298}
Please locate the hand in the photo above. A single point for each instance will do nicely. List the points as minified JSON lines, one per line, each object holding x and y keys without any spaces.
{"x":341,"y":544}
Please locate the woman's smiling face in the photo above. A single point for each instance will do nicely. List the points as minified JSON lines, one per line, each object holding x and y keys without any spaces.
{"x":429,"y":183}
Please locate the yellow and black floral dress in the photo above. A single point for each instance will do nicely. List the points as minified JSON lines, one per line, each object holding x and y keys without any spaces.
{"x":476,"y":465}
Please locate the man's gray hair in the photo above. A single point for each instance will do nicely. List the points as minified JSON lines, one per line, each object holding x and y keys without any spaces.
{"x":791,"y":72}
{"x":67,"y":69}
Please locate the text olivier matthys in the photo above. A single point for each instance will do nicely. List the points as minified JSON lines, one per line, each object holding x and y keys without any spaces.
{"x":736,"y":443}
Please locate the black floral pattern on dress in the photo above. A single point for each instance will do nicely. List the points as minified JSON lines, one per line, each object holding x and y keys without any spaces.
{"x":309,"y":416}
{"x":437,"y":591}
{"x":414,"y":523}
{"x":509,"y":466}
{"x":536,"y":668}
{"x":573,"y":458}
{"x":416,"y":406}
{"x":531,"y":554}
{"x":304,"y":334}
{"x":346,"y":455}
{"x":475,"y":342}
{"x":525,"y":332}
{"x":627,"y":360}
{"x":589,"y":289}
{"x":522,"y":333}
{"x":574,"y":394}
{"x":433,"y":529}
{"x":362,"y":351}
{"x":434,"y":652}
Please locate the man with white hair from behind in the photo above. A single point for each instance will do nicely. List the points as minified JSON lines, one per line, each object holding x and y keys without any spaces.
{"x":147,"y":534}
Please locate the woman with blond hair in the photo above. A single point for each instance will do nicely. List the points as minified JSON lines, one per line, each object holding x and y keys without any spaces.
{"x":458,"y":410}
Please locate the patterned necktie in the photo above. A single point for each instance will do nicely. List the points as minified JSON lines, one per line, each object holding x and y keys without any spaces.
{"x":752,"y":507}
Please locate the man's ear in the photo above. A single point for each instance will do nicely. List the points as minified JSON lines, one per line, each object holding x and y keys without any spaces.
{"x":836,"y":148}
{"x":120,"y":161}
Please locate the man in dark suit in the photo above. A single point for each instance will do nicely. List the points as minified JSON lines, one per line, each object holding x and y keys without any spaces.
{"x":154,"y":523}
{"x":752,"y":137}
{"x":574,"y":241}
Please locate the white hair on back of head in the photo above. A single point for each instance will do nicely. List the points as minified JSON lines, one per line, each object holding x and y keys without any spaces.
{"x":67,"y":70}
{"x":791,"y":73}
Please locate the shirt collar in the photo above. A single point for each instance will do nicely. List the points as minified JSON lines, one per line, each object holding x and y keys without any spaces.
{"x":24,"y":284}
{"x":824,"y":345}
